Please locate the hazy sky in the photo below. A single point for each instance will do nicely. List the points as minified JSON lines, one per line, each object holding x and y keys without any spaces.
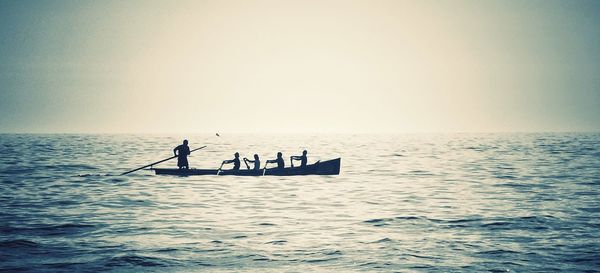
{"x":299,"y":66}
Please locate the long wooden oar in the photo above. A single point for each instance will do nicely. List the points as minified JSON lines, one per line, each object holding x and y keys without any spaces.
{"x":221,"y":167}
{"x":160,"y":161}
{"x":265,"y":168}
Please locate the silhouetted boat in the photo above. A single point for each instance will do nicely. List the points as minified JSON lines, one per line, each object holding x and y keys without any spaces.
{"x":329,"y":167}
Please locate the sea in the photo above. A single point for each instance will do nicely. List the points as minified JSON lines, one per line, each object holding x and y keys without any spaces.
{"x":505,"y":202}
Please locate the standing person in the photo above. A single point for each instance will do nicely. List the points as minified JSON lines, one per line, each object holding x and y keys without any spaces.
{"x":279,"y":161}
{"x":181,"y":152}
{"x":303,"y":159}
{"x":235,"y":161}
{"x":256,"y":162}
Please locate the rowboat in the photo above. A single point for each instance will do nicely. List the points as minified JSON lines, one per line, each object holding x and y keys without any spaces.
{"x":329,"y":167}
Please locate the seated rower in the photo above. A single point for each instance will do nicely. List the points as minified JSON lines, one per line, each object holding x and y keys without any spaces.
{"x":279,"y":161}
{"x":303,"y":159}
{"x":256,"y":162}
{"x":235,"y":161}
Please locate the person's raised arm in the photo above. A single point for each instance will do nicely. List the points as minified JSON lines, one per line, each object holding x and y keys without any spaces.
{"x":292,"y":158}
{"x":227,"y":161}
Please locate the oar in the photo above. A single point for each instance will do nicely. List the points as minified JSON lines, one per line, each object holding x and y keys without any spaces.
{"x":159,"y":162}
{"x":246,"y":162}
{"x":219,"y":170}
{"x":265,"y":168}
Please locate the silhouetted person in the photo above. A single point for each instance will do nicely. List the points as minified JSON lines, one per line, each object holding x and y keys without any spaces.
{"x":256,"y":162}
{"x":303,"y":159}
{"x":279,"y":161}
{"x":235,"y":161}
{"x":181,"y":152}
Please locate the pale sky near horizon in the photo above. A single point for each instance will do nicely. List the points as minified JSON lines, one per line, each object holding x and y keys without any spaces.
{"x":299,"y":66}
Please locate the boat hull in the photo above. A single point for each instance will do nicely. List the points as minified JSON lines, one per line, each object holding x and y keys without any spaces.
{"x":329,"y":167}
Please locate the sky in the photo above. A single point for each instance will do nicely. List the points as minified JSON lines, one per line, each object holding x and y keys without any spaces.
{"x":299,"y":66}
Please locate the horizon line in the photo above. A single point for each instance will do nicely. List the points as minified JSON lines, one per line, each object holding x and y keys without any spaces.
{"x":298,"y":133}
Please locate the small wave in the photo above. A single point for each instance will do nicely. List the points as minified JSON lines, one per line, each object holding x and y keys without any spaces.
{"x":16,"y":269}
{"x":18,"y":244}
{"x":496,"y":252}
{"x":590,"y":183}
{"x":117,"y":180}
{"x":92,"y":175}
{"x":595,"y":209}
{"x":379,"y":222}
{"x":516,"y":185}
{"x":423,"y":257}
{"x":67,"y":202}
{"x":277,"y":242}
{"x":461,"y":221}
{"x":369,"y":264}
{"x":421,"y":266}
{"x":212,"y":250}
{"x":524,"y":222}
{"x":266,"y":224}
{"x":60,"y":229}
{"x":64,"y":265}
{"x":17,"y":171}
{"x":253,"y":256}
{"x":384,"y":221}
{"x":589,"y":259}
{"x":166,"y":250}
{"x":321,"y":260}
{"x":407,"y":218}
{"x":68,"y":167}
{"x":421,"y":173}
{"x":384,"y":240}
{"x":6,"y":229}
{"x":140,"y":261}
{"x":495,"y":224}
{"x":200,"y":263}
{"x":73,"y":226}
{"x":333,"y":252}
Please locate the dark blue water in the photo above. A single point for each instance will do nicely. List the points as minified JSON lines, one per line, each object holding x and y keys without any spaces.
{"x":403,"y":203}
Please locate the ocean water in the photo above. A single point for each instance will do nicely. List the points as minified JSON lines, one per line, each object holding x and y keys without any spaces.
{"x":402,"y":203}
